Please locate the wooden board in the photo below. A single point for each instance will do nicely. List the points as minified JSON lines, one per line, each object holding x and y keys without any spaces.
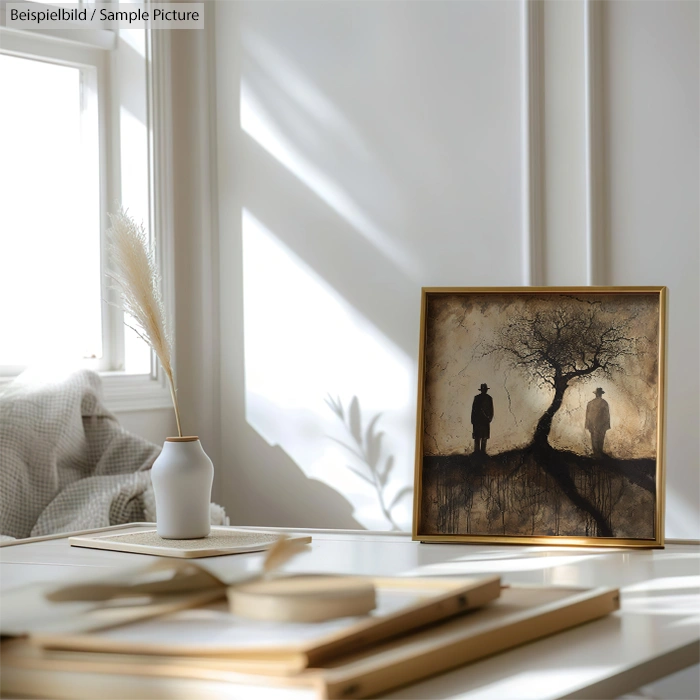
{"x":220,"y":542}
{"x":522,"y":614}
{"x":403,"y":605}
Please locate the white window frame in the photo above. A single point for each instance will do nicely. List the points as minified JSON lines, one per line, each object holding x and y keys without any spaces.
{"x":97,"y":49}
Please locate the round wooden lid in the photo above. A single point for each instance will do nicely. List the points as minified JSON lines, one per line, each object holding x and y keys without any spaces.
{"x":303,"y":598}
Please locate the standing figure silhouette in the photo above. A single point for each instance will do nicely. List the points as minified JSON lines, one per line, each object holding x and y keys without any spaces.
{"x":482,"y":415}
{"x":598,"y":421}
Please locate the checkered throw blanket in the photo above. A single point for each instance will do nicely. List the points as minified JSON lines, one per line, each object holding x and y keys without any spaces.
{"x":65,"y":462}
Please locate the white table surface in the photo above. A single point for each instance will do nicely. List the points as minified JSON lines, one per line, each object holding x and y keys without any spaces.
{"x":655,"y":633}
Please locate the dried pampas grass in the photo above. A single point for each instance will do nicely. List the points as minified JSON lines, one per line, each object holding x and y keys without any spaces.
{"x":136,"y":278}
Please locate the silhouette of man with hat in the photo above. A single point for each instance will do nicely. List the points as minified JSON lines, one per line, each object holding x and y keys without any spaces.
{"x":482,"y":415}
{"x":598,"y":421}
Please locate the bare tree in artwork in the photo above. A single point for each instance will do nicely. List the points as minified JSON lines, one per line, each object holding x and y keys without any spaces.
{"x":559,"y":346}
{"x":554,"y":348}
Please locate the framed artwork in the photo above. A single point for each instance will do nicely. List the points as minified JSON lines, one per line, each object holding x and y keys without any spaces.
{"x":540,"y":416}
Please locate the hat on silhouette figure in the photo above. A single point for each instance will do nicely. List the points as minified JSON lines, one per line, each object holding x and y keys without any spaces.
{"x":598,"y":392}
{"x":483,"y":387}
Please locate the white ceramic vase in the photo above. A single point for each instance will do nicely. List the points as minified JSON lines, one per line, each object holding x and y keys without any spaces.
{"x":182,"y":477}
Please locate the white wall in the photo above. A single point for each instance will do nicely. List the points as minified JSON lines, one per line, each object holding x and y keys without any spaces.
{"x":653,"y":152}
{"x":367,"y":149}
{"x":369,"y":162}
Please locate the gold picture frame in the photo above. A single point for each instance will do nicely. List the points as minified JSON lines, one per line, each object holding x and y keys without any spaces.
{"x":542,"y":461}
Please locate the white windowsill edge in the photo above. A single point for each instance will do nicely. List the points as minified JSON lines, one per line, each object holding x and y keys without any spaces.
{"x":134,"y":392}
{"x":124,"y":393}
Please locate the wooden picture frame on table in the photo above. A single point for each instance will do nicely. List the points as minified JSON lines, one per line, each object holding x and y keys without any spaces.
{"x":515,"y":442}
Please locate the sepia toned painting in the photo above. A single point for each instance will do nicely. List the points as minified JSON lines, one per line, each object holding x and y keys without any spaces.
{"x":539,"y":415}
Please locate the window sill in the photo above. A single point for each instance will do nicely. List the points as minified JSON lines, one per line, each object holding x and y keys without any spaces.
{"x":128,"y":392}
{"x":134,"y":392}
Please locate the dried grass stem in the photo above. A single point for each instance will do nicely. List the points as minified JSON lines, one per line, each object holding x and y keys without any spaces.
{"x":137,"y":281}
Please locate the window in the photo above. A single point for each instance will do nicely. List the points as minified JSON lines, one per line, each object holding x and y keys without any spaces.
{"x":76,"y":129}
{"x":50,"y":214}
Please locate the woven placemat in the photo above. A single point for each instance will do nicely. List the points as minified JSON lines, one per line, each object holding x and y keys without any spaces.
{"x":221,"y":541}
{"x":218,"y":539}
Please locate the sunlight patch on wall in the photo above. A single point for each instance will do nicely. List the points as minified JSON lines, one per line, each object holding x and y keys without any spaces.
{"x":260,"y":125}
{"x":303,"y":342}
{"x":318,"y":110}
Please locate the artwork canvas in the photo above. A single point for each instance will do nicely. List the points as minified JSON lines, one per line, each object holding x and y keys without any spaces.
{"x":540,"y":416}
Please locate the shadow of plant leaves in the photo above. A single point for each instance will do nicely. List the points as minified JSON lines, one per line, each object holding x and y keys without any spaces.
{"x":405,"y":491}
{"x":355,"y":420}
{"x":368,"y":450}
{"x":388,"y":466}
